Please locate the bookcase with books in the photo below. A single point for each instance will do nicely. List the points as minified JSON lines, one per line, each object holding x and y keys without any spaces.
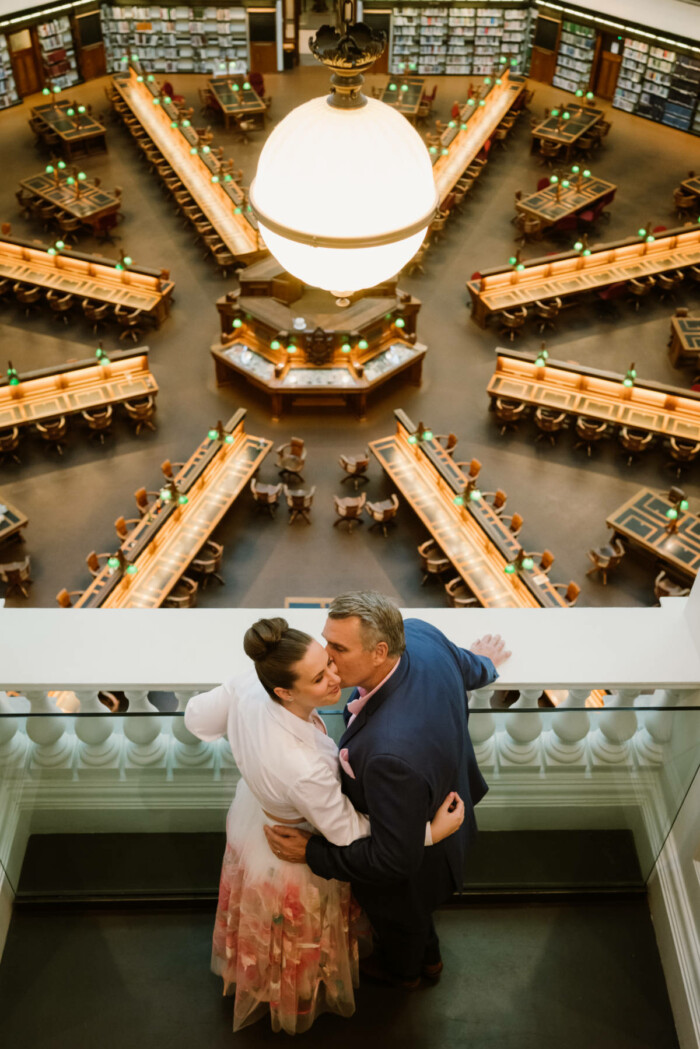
{"x":432,"y":41}
{"x":575,"y":58}
{"x":8,"y":90}
{"x":58,"y":52}
{"x":656,"y":82}
{"x":487,"y":43}
{"x":628,"y":90}
{"x":405,"y":39}
{"x":177,"y":39}
{"x":683,"y":92}
{"x":461,"y":28}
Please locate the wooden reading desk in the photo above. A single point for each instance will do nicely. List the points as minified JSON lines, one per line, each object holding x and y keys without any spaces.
{"x":75,"y":387}
{"x":12,"y":520}
{"x":463,"y":139}
{"x":404,"y":93}
{"x":470,"y":534}
{"x":85,"y":201}
{"x":558,"y":201}
{"x":569,"y":273}
{"x":567,"y":132}
{"x":236,"y":98}
{"x":569,"y":387}
{"x":223,"y":202}
{"x":87,"y":276}
{"x":641,"y":522}
{"x":75,"y":131}
{"x":692,"y":185}
{"x":684,"y":342}
{"x":167,"y":538}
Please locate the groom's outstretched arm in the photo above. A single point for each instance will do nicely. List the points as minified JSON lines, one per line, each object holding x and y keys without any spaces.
{"x":399,"y":803}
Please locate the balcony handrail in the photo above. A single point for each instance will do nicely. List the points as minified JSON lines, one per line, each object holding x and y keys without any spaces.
{"x":191,"y":649}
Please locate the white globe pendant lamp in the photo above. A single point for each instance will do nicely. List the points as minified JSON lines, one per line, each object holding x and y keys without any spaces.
{"x":344,"y":190}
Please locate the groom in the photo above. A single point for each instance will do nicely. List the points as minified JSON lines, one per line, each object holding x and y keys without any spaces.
{"x":406,"y":746}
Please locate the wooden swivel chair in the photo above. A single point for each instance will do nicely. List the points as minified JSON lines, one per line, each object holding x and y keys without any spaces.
{"x":635,"y":442}
{"x":459,"y":595}
{"x":143,"y":503}
{"x":606,"y":558}
{"x":509,"y":414}
{"x":383,"y":513}
{"x":355,"y":467}
{"x":53,"y":431}
{"x":207,"y":563}
{"x":64,"y":597}
{"x":570,"y":591}
{"x":291,"y":458}
{"x":9,"y":443}
{"x":549,"y":423}
{"x":60,"y":305}
{"x":497,"y":500}
{"x":183,"y":594}
{"x":514,"y":521}
{"x":664,"y":586}
{"x":99,"y":421}
{"x":93,"y":560}
{"x":16,"y":575}
{"x":682,"y":453}
{"x":349,"y":510}
{"x":432,"y":561}
{"x":141,"y":412}
{"x":299,"y":501}
{"x":266,"y":496}
{"x":589,"y":432}
{"x":121,"y":527}
{"x":512,"y":321}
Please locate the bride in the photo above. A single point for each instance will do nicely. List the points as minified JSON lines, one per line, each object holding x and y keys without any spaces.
{"x":283,"y":937}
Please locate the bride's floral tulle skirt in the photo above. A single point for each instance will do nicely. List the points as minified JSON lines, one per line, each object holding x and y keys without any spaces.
{"x":284,"y":939}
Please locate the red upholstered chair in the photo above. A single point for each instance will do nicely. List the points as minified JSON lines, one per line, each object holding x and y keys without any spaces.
{"x":169,"y":90}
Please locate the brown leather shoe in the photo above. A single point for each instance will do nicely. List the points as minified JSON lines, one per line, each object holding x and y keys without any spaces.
{"x":432,"y":973}
{"x":372,"y":969}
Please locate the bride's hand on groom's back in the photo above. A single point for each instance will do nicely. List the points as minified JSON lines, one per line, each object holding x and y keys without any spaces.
{"x":448,"y":818}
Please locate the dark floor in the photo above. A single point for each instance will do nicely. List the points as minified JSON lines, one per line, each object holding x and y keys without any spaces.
{"x":516,"y":977}
{"x":564,"y":497}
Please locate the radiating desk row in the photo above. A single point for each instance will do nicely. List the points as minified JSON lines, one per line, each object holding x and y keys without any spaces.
{"x":469,"y":532}
{"x":47,"y":393}
{"x":74,"y":130}
{"x":87,"y":276}
{"x":85,"y":200}
{"x":564,"y":386}
{"x":223,"y":202}
{"x":167,"y":539}
{"x":642,"y":522}
{"x":571,"y":273}
{"x":558,"y":201}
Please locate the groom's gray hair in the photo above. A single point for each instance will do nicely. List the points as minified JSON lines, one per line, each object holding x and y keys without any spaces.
{"x":380,"y":619}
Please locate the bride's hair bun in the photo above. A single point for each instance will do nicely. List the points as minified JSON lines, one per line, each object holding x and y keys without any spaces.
{"x":263,"y":637}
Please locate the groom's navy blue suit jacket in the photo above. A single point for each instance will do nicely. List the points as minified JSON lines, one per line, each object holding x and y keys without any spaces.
{"x":408,"y":748}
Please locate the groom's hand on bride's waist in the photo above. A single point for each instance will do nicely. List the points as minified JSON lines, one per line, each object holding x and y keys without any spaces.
{"x":286,"y":843}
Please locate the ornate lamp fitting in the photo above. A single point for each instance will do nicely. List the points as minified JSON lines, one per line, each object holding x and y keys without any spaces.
{"x":348,"y":52}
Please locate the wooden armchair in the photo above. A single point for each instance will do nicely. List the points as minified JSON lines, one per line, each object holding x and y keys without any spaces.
{"x":432,"y":561}
{"x":682,"y":453}
{"x":589,"y":431}
{"x":53,"y":431}
{"x":606,"y":558}
{"x":9,"y":443}
{"x":515,"y":523}
{"x":355,"y":468}
{"x":459,"y":595}
{"x":64,"y":597}
{"x":549,"y":423}
{"x":383,"y":513}
{"x":509,"y":413}
{"x":170,"y":469}
{"x":266,"y":496}
{"x":547,"y":312}
{"x":183,"y":594}
{"x":291,"y":457}
{"x":497,"y":500}
{"x":208,"y":562}
{"x":299,"y":501}
{"x":99,"y":421}
{"x":93,"y":560}
{"x":634,"y":441}
{"x":570,"y":591}
{"x":447,"y":441}
{"x":349,"y":510}
{"x":142,"y":412}
{"x":143,"y":503}
{"x":512,"y":321}
{"x":16,"y":575}
{"x":121,"y":527}
{"x":664,"y":586}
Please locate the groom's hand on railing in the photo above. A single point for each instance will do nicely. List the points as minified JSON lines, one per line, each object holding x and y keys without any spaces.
{"x":493,"y":647}
{"x":287,"y":844}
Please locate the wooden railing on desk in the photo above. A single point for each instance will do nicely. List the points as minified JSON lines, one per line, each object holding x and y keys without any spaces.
{"x":168,"y":537}
{"x":464,"y":144}
{"x":570,"y":274}
{"x":472,"y":536}
{"x":87,"y":276}
{"x":72,"y":388}
{"x":223,"y":202}
{"x":600,"y":395}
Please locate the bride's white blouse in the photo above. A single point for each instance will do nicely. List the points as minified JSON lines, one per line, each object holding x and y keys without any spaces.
{"x":290,"y":766}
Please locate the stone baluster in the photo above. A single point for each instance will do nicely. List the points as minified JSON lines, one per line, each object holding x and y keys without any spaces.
{"x":13,"y":744}
{"x":609,"y":743}
{"x":519,"y":744}
{"x":188,"y":752}
{"x":52,"y":752}
{"x":652,"y":740}
{"x":146,"y":746}
{"x":482,"y":727}
{"x":99,"y":747}
{"x":565,"y":741}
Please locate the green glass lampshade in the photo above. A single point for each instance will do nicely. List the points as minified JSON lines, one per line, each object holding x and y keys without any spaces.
{"x":433,"y":150}
{"x":471,"y":102}
{"x":528,"y":564}
{"x":452,"y":123}
{"x":166,"y":495}
{"x":555,"y":112}
{"x":134,"y":58}
{"x":586,"y":252}
{"x":412,"y":65}
{"x":632,"y":373}
{"x":566,"y":115}
{"x":212,"y":435}
{"x":458,"y":500}
{"x":412,"y":439}
{"x":228,"y":439}
{"x":575,"y":169}
{"x":81,"y":176}
{"x":275,"y":344}
{"x":167,"y":100}
{"x":99,"y":352}
{"x":237,"y":323}
{"x":565,"y":183}
{"x":237,"y":211}
{"x":498,"y":81}
{"x":182,"y":500}
{"x":463,"y":127}
{"x":70,"y":181}
{"x":60,"y":244}
{"x":228,"y":178}
{"x":628,"y":382}
{"x":156,"y":101}
{"x":427,"y":435}
{"x":45,"y":91}
{"x":475,"y":495}
{"x":683,"y":505}
{"x":503,"y":58}
{"x":590,"y":96}
{"x":150,"y":78}
{"x":346,"y":347}
{"x":127,"y":260}
{"x":131,"y":569}
{"x":392,"y":87}
{"x":291,"y":348}
{"x":363,"y":344}
{"x":118,"y":266}
{"x":520,"y":267}
{"x":81,"y":109}
{"x":49,"y":169}
{"x":444,"y":152}
{"x":139,"y":79}
{"x":579,"y":93}
{"x":187,"y":123}
{"x":206,"y":149}
{"x":650,"y":239}
{"x":113,"y":563}
{"x":404,"y":87}
{"x":193,"y":151}
{"x":586,"y":173}
{"x":14,"y":381}
{"x":539,"y":362}
{"x":482,"y":102}
{"x":215,"y":178}
{"x":672,"y":513}
{"x":514,"y":61}
{"x":578,"y":245}
{"x":487,"y":79}
{"x":61,"y":165}
{"x":173,"y":123}
{"x":51,"y":251}
{"x":512,"y":261}
{"x":246,"y":86}
{"x":70,"y":112}
{"x":400,"y":322}
{"x":553,"y":179}
{"x":509,"y":569}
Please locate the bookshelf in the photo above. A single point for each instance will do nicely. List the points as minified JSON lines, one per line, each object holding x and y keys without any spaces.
{"x":431,"y":39}
{"x":177,"y":39}
{"x":660,"y":85}
{"x":58,"y":52}
{"x":575,"y":58}
{"x":635,"y":55}
{"x":683,"y":92}
{"x":8,"y":91}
